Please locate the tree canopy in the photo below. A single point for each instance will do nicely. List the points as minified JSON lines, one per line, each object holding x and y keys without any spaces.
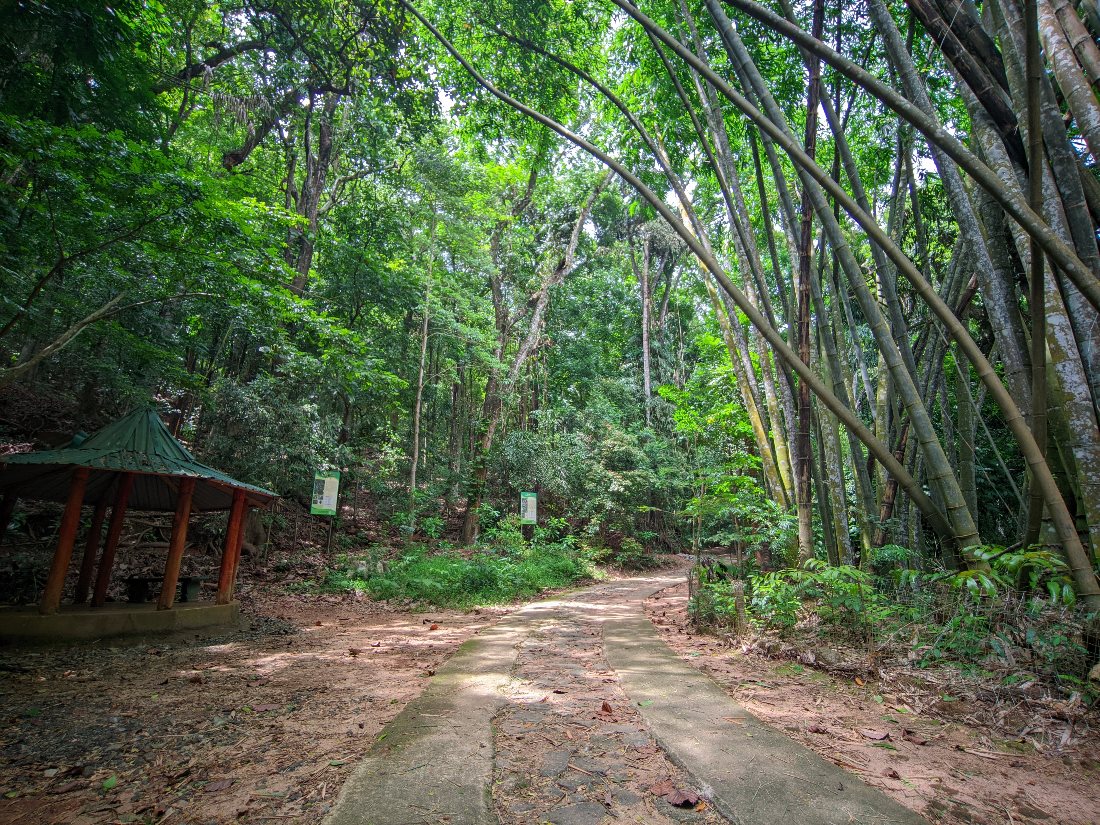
{"x":803,"y":278}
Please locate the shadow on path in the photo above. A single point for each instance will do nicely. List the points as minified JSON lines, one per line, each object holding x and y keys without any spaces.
{"x":434,"y":762}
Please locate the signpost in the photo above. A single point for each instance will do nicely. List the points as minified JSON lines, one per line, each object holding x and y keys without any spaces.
{"x":326,"y":488}
{"x":528,"y":508}
{"x":326,"y":493}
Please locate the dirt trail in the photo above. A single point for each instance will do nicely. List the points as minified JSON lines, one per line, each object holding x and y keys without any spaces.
{"x":267,"y":724}
{"x":259,"y":725}
{"x":570,"y":747}
{"x":939,"y":760}
{"x":563,"y":705}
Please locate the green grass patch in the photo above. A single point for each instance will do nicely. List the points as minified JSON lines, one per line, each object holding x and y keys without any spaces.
{"x":452,"y":579}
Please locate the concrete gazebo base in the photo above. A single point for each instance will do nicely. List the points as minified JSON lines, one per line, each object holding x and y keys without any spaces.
{"x":82,"y":623}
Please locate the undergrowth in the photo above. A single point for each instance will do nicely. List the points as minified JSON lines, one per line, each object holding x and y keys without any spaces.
{"x":504,"y":567}
{"x":1018,"y":614}
{"x":453,"y":579}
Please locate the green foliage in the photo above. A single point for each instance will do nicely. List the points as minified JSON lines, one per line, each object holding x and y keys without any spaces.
{"x":845,"y":595}
{"x":715,"y":602}
{"x":966,"y":619}
{"x":288,"y":437}
{"x":1033,"y":570}
{"x":432,"y":526}
{"x":631,"y":555}
{"x":1030,"y":571}
{"x":506,"y":535}
{"x":459,"y":580}
{"x":890,"y":557}
{"x":70,"y":60}
{"x":592,"y":469}
{"x":776,"y":602}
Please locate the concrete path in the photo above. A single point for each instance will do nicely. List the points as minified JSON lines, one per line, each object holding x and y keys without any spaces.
{"x":434,"y":762}
{"x":755,"y":774}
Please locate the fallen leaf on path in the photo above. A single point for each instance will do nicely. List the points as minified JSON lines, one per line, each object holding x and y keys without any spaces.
{"x":606,"y":707}
{"x":682,"y":799}
{"x":875,"y":735}
{"x":434,"y":627}
{"x":817,"y":729}
{"x":859,"y":681}
{"x":662,"y":788}
{"x":265,"y":708}
{"x":218,"y":785}
{"x":891,"y":774}
{"x":556,"y":690}
{"x":354,"y":651}
{"x":911,"y":736}
{"x":68,"y":786}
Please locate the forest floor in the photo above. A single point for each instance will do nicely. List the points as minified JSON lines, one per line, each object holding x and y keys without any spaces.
{"x":266,"y":724}
{"x":263,"y":724}
{"x":941,"y":755}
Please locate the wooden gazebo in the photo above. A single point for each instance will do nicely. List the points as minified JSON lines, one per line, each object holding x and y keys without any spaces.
{"x":132,"y":464}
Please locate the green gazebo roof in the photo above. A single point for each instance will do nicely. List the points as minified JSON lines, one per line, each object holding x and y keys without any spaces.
{"x":138,"y":443}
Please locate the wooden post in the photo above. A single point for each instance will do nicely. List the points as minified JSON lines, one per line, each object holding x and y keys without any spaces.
{"x":91,"y":547}
{"x":114,"y":532}
{"x":7,"y":507}
{"x":176,"y":545}
{"x":70,"y":521}
{"x":233,"y":528}
{"x":238,"y":541}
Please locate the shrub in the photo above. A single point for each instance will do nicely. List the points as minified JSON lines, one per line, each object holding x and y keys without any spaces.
{"x":775,"y":602}
{"x":451,"y":579}
{"x":631,"y":555}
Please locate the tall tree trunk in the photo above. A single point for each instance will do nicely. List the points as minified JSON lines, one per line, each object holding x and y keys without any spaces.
{"x":1007,"y":327}
{"x":494,"y":400}
{"x":941,"y":473}
{"x":748,"y":398}
{"x":308,"y":195}
{"x":1071,"y":80}
{"x":1036,"y":279}
{"x":642,"y":273}
{"x":965,"y":431}
{"x":426,"y":314}
{"x":803,"y":455}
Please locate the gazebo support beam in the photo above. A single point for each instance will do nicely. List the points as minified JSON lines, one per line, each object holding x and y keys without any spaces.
{"x":177,"y":544}
{"x":70,"y":521}
{"x":238,"y":542}
{"x":114,"y":533}
{"x":7,"y":507}
{"x":234,"y":527}
{"x":91,"y":547}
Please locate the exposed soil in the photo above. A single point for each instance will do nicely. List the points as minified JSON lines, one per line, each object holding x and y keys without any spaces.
{"x":571,"y":749}
{"x":258,"y":725}
{"x":934,"y":753}
{"x":265,"y":724}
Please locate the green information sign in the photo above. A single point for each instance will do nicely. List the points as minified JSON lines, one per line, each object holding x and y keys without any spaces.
{"x":528,"y":508}
{"x":326,"y":487}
